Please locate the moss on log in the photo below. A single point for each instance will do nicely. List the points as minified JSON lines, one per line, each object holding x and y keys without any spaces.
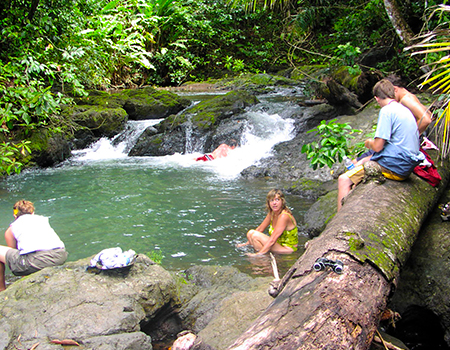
{"x":372,"y":235}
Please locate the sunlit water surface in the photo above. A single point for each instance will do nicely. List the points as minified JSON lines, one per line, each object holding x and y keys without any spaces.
{"x":187,"y":212}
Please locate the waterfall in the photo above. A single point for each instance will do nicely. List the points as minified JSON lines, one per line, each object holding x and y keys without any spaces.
{"x":265,"y":125}
{"x":118,"y":146}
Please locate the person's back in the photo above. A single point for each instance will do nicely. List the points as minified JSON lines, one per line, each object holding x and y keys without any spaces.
{"x":34,"y":233}
{"x":221,"y":151}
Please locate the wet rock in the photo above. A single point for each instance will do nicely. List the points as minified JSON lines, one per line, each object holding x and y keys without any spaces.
{"x":317,"y":217}
{"x":48,"y":148}
{"x":106,"y":310}
{"x":224,"y":303}
{"x":420,"y":328}
{"x":143,"y":103}
{"x":340,"y":97}
{"x":208,"y":124}
{"x":424,"y":279}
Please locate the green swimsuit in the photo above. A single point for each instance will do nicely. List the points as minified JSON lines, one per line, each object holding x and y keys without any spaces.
{"x":287,"y":238}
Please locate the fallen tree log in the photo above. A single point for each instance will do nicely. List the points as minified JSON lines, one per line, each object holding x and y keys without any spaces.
{"x":372,"y":236}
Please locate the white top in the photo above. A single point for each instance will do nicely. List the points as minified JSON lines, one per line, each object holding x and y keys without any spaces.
{"x":33,"y":232}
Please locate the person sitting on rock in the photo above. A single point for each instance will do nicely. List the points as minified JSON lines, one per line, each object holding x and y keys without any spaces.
{"x":395,"y":146}
{"x":283,"y":232}
{"x":219,"y":152}
{"x":32,"y":244}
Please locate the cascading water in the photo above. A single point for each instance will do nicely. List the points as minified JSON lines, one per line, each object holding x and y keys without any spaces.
{"x":191,"y":212}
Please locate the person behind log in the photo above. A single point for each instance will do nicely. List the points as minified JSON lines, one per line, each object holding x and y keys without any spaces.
{"x":410,"y":101}
{"x":395,"y":146}
{"x":32,"y":244}
{"x":283,"y":232}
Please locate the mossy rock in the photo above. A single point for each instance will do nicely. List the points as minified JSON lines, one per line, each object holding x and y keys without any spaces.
{"x":144,"y":103}
{"x":101,"y":98}
{"x":309,"y":71}
{"x":309,"y":188}
{"x":347,"y":79}
{"x":102,"y":121}
{"x":150,"y":103}
{"x":320,"y":213}
{"x":207,"y":114}
{"x":47,"y":147}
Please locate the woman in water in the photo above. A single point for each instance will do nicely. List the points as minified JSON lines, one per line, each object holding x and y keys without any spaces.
{"x":283,"y":233}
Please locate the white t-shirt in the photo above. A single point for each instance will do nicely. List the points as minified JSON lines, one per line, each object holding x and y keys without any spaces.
{"x":33,"y":233}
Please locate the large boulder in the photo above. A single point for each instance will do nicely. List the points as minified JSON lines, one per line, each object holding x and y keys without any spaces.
{"x":143,"y":103}
{"x":128,"y":309}
{"x":48,"y":147}
{"x":108,"y":310}
{"x":150,"y":103}
{"x":222,"y":303}
{"x":104,"y":114}
{"x":91,"y":122}
{"x":210,"y":122}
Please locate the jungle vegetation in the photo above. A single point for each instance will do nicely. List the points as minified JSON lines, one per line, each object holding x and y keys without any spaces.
{"x":53,"y":50}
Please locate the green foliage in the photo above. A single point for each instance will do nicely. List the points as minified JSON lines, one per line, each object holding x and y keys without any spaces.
{"x":359,"y":147}
{"x":348,"y":55}
{"x":332,"y":145}
{"x":435,"y":45}
{"x":156,"y":255}
{"x":25,"y":97}
{"x":9,"y":154}
{"x":217,"y":39}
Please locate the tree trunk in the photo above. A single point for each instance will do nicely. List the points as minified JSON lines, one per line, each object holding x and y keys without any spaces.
{"x":402,"y":28}
{"x":372,"y":235}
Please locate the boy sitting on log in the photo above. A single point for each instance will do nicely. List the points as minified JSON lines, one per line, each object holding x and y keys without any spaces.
{"x":395,"y":145}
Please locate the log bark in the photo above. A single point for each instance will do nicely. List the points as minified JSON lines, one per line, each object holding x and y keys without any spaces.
{"x":372,"y":235}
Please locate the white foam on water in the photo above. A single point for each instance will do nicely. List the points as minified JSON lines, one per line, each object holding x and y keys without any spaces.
{"x":262,"y":132}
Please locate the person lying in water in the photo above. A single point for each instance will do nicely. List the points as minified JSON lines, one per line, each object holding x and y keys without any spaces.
{"x":219,"y":152}
{"x":283,"y":232}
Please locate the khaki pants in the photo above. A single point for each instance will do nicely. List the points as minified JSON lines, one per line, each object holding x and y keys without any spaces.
{"x":22,"y":265}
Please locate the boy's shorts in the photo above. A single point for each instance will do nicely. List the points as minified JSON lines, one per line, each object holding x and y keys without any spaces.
{"x":357,"y":173}
{"x":205,"y":158}
{"x":22,"y":265}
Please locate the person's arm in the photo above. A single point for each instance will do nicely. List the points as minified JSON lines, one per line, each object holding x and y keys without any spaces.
{"x":282,"y":223}
{"x":10,"y":239}
{"x":421,"y":113}
{"x":376,"y":144}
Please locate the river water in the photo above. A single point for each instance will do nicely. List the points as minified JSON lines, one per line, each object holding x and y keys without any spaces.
{"x":182,"y":211}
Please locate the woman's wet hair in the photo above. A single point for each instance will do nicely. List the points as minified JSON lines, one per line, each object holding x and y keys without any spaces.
{"x":276,"y":193}
{"x":23,"y":207}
